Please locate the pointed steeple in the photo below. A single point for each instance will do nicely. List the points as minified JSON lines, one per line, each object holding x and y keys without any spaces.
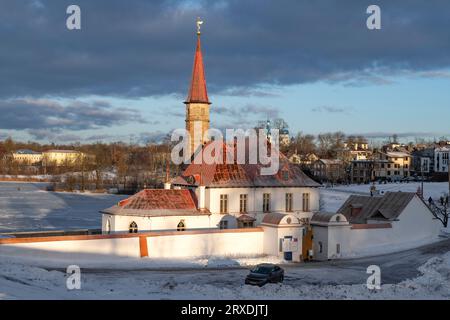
{"x":197,"y":91}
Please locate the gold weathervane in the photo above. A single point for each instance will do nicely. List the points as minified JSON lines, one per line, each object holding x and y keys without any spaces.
{"x":199,"y":23}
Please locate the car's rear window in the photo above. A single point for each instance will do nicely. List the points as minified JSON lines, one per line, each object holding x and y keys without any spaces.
{"x":264,"y":270}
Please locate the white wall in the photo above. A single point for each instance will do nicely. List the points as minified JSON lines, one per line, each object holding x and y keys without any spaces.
{"x":122,"y":223}
{"x":416,"y":226}
{"x":195,"y":245}
{"x":160,"y":245}
{"x":125,"y":247}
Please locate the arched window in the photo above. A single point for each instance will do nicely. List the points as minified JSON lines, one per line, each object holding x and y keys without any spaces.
{"x":181,"y":226}
{"x":133,"y":227}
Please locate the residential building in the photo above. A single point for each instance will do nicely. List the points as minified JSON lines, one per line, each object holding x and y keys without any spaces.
{"x":61,"y":157}
{"x":441,"y":159}
{"x":354,"y":150}
{"x":423,"y":161}
{"x":329,"y":170}
{"x":392,"y":165}
{"x":27,"y":157}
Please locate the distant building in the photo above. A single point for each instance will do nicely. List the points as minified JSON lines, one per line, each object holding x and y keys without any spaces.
{"x":361,"y":171}
{"x":27,"y":157}
{"x":441,"y":159}
{"x":285,"y":139}
{"x":305,"y":160}
{"x":329,"y":170}
{"x":392,"y":165}
{"x":61,"y":157}
{"x":355,"y":151}
{"x":423,"y":161}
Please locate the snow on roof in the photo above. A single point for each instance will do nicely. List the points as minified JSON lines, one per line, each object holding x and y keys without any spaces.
{"x":397,"y":154}
{"x":61,"y":151}
{"x":27,"y":151}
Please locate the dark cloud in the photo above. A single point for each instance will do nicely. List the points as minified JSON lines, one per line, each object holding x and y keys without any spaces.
{"x":40,"y":117}
{"x":140,"y":47}
{"x":330,"y":109}
{"x":247,"y":111}
{"x":411,"y":134}
{"x":152,"y":137}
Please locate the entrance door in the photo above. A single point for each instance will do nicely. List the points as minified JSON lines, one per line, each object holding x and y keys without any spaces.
{"x":307,"y":242}
{"x":287,"y":248}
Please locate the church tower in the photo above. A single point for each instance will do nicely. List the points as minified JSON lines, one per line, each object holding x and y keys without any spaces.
{"x":197,"y":103}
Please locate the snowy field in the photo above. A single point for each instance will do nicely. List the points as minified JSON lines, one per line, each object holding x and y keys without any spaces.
{"x":333,"y":198}
{"x":27,"y":206}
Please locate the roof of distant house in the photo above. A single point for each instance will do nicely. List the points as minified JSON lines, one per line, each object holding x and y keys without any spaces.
{"x":387,"y":207}
{"x":27,"y":151}
{"x":331,"y":161}
{"x":61,"y":151}
{"x":158,"y":202}
{"x":397,"y":154}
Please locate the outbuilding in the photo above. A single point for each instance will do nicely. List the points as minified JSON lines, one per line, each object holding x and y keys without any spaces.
{"x":366,"y":225}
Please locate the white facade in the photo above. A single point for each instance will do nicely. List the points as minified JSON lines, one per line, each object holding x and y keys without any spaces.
{"x":210,"y":198}
{"x":284,"y":237}
{"x":121,"y":223}
{"x":255,"y":201}
{"x":415,"y":226}
{"x":441,"y":159}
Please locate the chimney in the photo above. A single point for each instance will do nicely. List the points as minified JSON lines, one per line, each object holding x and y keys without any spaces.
{"x":167,"y":183}
{"x":201,"y":194}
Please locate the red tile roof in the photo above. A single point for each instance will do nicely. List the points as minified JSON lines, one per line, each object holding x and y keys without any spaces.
{"x":242,"y":175}
{"x":158,"y":202}
{"x":197,"y":91}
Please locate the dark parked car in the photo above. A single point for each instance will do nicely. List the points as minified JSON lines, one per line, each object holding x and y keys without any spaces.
{"x":265,"y":273}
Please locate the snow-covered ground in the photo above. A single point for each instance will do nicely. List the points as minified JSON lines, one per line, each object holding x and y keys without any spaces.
{"x":333,"y":198}
{"x":308,"y":281}
{"x":27,"y":206}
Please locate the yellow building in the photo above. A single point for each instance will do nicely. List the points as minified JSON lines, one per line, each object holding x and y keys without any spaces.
{"x":392,"y":166}
{"x":61,"y":157}
{"x":27,"y":157}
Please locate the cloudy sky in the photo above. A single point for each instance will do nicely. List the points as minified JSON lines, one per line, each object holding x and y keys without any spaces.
{"x":125,"y":74}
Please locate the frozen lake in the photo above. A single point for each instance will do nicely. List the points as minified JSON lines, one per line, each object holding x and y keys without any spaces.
{"x":27,"y":206}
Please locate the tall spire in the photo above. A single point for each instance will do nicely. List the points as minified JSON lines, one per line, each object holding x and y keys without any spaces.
{"x":197,"y":91}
